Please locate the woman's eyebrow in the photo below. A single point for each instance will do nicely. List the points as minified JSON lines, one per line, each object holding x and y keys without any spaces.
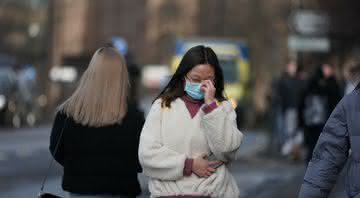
{"x":195,"y":76}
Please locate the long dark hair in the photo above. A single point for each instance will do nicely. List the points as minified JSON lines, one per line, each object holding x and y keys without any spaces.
{"x":194,"y":56}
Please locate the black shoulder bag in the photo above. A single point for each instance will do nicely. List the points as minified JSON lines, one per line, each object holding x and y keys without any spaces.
{"x":43,"y":194}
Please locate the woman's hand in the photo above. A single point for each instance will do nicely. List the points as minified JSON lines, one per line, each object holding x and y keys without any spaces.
{"x":202,"y":166}
{"x":209,"y":90}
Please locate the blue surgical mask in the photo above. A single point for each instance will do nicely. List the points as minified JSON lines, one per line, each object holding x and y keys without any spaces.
{"x":194,"y":90}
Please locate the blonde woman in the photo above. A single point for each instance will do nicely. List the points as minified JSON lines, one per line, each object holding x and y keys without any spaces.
{"x":99,"y":132}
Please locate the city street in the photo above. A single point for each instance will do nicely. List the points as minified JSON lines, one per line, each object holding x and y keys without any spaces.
{"x":24,"y":158}
{"x":283,"y":66}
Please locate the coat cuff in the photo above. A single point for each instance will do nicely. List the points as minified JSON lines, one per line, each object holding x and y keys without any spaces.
{"x":188,"y":167}
{"x":209,"y":108}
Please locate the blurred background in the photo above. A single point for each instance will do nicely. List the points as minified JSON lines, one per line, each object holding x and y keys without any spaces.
{"x":268,"y":50}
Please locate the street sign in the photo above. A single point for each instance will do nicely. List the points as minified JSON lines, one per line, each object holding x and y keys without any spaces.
{"x":308,"y":44}
{"x":309,"y":22}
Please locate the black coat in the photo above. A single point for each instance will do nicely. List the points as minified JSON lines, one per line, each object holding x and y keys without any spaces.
{"x":325,"y":88}
{"x":99,"y":160}
{"x":289,"y":91}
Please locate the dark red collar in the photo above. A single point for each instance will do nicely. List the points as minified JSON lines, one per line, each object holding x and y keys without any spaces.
{"x":189,"y":99}
{"x":192,"y":105}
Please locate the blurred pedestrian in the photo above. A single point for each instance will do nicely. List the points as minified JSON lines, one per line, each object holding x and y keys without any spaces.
{"x":351,"y":71}
{"x":99,"y":132}
{"x":26,"y":93}
{"x":274,"y":115}
{"x":27,"y":82}
{"x":318,"y":100}
{"x":134,"y":78}
{"x":289,"y":92}
{"x":190,"y":135}
{"x":332,"y":151}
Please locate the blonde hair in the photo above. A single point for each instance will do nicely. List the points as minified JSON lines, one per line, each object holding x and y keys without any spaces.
{"x":101,"y":97}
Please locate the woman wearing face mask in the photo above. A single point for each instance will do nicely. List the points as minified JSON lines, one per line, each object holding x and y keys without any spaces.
{"x":189,"y":123}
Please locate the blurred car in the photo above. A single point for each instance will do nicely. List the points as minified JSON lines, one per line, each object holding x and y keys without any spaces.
{"x":8,"y":102}
{"x":155,"y":76}
{"x":20,"y":102}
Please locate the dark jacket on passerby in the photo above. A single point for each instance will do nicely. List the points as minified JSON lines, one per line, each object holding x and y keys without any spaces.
{"x":320,"y":92}
{"x":99,"y":160}
{"x":134,"y":78}
{"x":318,"y":101}
{"x":289,"y":91}
{"x":341,"y":133}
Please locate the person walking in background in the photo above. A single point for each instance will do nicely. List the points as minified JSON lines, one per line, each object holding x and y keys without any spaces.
{"x":190,"y":135}
{"x":351,"y":71}
{"x":134,"y":78}
{"x":98,"y":132}
{"x":339,"y":136}
{"x":274,"y":115}
{"x":289,"y":92}
{"x":320,"y":97}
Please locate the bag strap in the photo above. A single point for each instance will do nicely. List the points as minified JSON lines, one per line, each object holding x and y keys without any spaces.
{"x":52,"y":158}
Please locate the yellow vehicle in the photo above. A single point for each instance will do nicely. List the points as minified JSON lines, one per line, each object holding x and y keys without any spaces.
{"x":234,"y":60}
